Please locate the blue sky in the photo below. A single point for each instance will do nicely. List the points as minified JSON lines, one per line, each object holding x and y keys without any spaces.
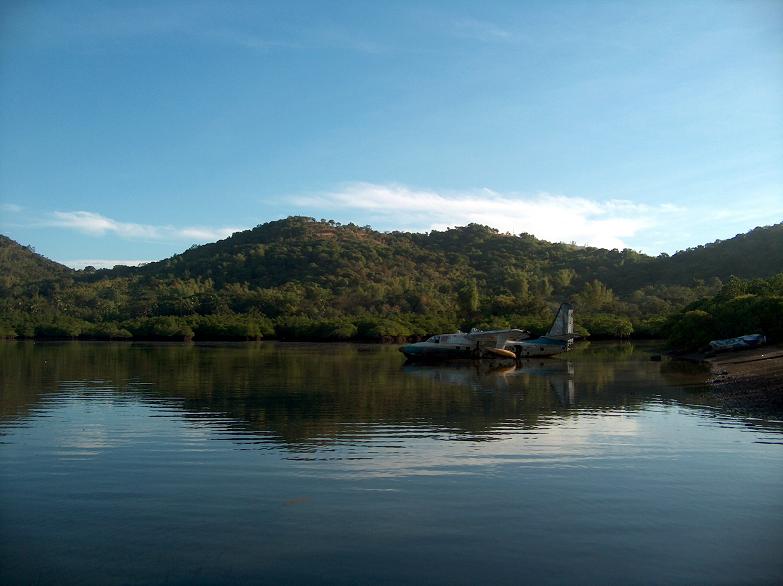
{"x":131,"y":130}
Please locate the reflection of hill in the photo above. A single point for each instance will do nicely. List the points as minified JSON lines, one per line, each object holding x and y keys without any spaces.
{"x":302,"y":393}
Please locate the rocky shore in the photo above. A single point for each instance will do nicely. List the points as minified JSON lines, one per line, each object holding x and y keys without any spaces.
{"x":749,"y":379}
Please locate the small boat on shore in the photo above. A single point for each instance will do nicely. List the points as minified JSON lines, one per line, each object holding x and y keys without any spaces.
{"x":739,"y":343}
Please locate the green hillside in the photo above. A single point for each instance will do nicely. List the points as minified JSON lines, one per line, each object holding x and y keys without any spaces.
{"x":756,"y":254}
{"x":301,"y":278}
{"x":21,"y":265}
{"x":301,"y":249}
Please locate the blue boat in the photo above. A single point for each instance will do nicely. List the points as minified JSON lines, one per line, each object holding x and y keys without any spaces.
{"x":740,"y":343}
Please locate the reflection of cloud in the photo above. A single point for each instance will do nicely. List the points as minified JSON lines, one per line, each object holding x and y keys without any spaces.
{"x":98,"y":225}
{"x":564,"y":442}
{"x":552,"y":217}
{"x":90,"y":436}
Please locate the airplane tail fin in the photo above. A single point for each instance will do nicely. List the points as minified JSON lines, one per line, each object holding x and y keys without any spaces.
{"x":563,"y":326}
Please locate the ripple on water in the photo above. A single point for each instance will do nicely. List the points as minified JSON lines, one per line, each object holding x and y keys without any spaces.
{"x":223,"y":463}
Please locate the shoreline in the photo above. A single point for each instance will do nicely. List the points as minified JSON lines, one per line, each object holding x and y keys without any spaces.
{"x":749,"y":379}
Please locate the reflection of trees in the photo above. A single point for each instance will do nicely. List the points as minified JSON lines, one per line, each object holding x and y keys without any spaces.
{"x":318,"y":393}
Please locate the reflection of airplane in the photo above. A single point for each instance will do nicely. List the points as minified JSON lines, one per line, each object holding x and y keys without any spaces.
{"x":476,"y":344}
{"x":559,"y":374}
{"x":558,"y":339}
{"x":544,"y":367}
{"x":481,"y":376}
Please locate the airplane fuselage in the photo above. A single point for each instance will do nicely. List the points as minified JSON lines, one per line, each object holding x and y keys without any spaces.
{"x":459,"y":345}
{"x":445,"y":346}
{"x":509,"y":343}
{"x":543,"y":346}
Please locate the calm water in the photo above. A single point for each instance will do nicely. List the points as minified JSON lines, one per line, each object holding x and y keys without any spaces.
{"x":288,"y":463}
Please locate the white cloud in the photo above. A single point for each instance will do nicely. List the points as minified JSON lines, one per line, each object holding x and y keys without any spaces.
{"x":551,"y":217}
{"x":707,"y":221}
{"x":11,"y":208}
{"x":97,"y":225}
{"x":102,"y":263}
{"x":205,"y":234}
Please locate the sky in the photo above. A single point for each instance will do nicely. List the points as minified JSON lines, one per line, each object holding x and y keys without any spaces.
{"x":130,"y":131}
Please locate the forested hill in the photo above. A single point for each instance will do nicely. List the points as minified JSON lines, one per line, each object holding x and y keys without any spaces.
{"x":299,"y":277}
{"x":21,"y":264}
{"x":756,"y":254}
{"x":303,"y":250}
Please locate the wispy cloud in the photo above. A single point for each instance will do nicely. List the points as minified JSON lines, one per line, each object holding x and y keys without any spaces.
{"x":243,"y":27}
{"x":243,"y":39}
{"x":95,"y":224}
{"x":10,"y":208}
{"x":301,"y":39}
{"x":558,"y":218}
{"x":480,"y":30}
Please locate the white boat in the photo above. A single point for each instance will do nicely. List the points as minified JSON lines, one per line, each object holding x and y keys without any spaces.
{"x":558,"y":339}
{"x":475,"y":344}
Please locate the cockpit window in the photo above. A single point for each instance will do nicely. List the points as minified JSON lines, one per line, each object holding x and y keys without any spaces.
{"x":434,"y":339}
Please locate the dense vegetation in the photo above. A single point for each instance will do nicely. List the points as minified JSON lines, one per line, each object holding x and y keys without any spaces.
{"x":304,"y":279}
{"x":20,"y":265}
{"x":743,"y":306}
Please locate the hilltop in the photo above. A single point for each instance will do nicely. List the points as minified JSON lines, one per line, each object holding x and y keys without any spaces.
{"x":755,"y":254}
{"x":329,"y":253}
{"x":299,"y":277}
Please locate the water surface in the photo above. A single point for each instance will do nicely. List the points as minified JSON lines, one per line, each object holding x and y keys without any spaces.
{"x":283,"y":463}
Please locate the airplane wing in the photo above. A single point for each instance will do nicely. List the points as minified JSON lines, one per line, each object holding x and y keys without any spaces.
{"x":499,"y":337}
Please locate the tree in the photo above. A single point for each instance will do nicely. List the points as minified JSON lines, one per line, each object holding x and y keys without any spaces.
{"x":564,"y":277}
{"x":468,"y":298}
{"x":595,"y":295}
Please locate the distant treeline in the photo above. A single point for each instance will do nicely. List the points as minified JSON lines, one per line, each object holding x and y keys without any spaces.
{"x":319,"y":280}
